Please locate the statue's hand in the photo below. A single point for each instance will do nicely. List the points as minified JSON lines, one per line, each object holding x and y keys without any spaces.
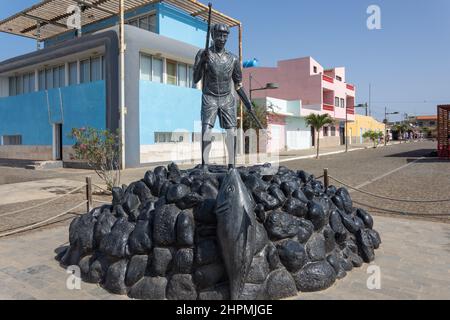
{"x":205,"y":57}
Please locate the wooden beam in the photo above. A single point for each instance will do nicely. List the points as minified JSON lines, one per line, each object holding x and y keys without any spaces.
{"x":198,"y":12}
{"x":95,"y":6}
{"x":42,"y":20}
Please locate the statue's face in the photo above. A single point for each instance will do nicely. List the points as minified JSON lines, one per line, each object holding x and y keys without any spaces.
{"x":220,"y":39}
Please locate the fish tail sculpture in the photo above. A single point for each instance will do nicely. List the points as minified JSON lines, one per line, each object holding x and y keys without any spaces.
{"x":236,"y":230}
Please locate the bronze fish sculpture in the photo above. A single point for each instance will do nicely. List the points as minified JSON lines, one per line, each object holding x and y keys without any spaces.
{"x":236,"y":230}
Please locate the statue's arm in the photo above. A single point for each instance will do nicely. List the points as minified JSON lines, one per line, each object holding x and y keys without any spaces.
{"x":237,"y":79}
{"x":198,"y":67}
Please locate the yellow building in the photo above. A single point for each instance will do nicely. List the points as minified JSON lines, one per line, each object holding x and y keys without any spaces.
{"x":361,"y":125}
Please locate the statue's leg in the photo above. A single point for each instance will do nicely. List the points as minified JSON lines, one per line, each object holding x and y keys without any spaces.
{"x":206,"y":143}
{"x":230,"y":141}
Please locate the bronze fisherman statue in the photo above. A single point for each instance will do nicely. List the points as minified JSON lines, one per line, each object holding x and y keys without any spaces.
{"x":219,"y":69}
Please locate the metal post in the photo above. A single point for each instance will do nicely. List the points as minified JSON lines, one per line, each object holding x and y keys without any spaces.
{"x":345,"y":134}
{"x":122,"y":80}
{"x":89,"y":202}
{"x":38,"y":36}
{"x":385,"y":126}
{"x":242,"y":151}
{"x":326,"y":179}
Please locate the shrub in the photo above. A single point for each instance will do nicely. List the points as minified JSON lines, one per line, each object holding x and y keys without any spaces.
{"x":101,"y":149}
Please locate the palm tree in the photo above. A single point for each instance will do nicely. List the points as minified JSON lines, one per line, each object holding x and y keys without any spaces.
{"x":317,"y":121}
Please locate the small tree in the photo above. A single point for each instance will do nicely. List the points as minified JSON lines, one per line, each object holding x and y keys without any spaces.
{"x":401,"y":129}
{"x":375,"y":136}
{"x":101,"y":149}
{"x":318,"y":121}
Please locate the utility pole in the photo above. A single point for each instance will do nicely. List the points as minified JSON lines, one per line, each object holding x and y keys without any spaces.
{"x":385,"y":126}
{"x":346,"y":119}
{"x":122,"y":79}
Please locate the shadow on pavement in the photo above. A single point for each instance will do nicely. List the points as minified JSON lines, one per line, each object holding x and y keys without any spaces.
{"x":413,"y":153}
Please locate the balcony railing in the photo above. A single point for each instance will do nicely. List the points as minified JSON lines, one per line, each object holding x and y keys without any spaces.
{"x":328,"y":79}
{"x":350,"y":110}
{"x":328,"y":107}
{"x":350,"y":87}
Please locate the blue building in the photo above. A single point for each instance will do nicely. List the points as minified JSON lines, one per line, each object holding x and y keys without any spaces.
{"x":73,"y":81}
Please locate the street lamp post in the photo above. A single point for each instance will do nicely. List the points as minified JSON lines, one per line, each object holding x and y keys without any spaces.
{"x":269,"y":86}
{"x":385,"y":123}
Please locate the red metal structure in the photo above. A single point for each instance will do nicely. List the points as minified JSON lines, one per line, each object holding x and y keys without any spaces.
{"x":444,"y":131}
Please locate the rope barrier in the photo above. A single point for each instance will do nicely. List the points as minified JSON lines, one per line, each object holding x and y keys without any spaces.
{"x":102,"y":189}
{"x":404,"y":213}
{"x":43,"y":203}
{"x":34,"y":225}
{"x":387,"y":198}
{"x":101,"y":201}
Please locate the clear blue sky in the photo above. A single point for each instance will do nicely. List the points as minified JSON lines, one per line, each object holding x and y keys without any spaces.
{"x":407,"y":62}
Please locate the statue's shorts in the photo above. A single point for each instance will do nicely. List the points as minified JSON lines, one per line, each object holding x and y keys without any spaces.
{"x":224,"y":106}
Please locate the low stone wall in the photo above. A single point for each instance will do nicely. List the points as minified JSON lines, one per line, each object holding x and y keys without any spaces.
{"x":330,"y":141}
{"x":26,"y":152}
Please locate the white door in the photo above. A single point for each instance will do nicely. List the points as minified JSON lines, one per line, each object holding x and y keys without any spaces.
{"x":275,"y":137}
{"x":298,"y":140}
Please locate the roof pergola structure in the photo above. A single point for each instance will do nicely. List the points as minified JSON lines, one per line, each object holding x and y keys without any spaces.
{"x":52,"y":15}
{"x":49,"y":18}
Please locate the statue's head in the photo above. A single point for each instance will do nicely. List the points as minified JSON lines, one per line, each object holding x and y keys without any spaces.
{"x":220,"y":34}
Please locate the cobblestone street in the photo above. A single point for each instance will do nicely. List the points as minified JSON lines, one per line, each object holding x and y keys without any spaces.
{"x":413,"y":259}
{"x":410,"y":269}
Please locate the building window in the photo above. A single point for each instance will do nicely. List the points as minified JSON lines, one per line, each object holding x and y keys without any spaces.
{"x":19,"y":85}
{"x":325,"y":131}
{"x":146,"y":67}
{"x":157,"y":70}
{"x":432,"y":123}
{"x":147,"y":22}
{"x":96,"y":69}
{"x":338,"y":78}
{"x":14,"y":140}
{"x":12,"y":86}
{"x":41,"y":80}
{"x":333,"y":131}
{"x":151,"y":68}
{"x":171,"y":72}
{"x":85,"y":72}
{"x":48,"y":79}
{"x":182,"y":75}
{"x":73,"y":73}
{"x":342,"y":103}
{"x":315,"y":69}
{"x":336,"y":101}
{"x":59,"y":77}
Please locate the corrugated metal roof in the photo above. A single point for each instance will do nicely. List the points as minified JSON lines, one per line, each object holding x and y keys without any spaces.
{"x":52,"y":15}
{"x":426,"y":117}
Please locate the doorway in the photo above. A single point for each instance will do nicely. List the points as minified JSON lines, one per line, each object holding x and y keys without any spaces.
{"x":57,"y":142}
{"x":342,"y":134}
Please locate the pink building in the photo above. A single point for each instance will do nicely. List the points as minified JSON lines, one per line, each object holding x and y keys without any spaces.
{"x":319,"y":90}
